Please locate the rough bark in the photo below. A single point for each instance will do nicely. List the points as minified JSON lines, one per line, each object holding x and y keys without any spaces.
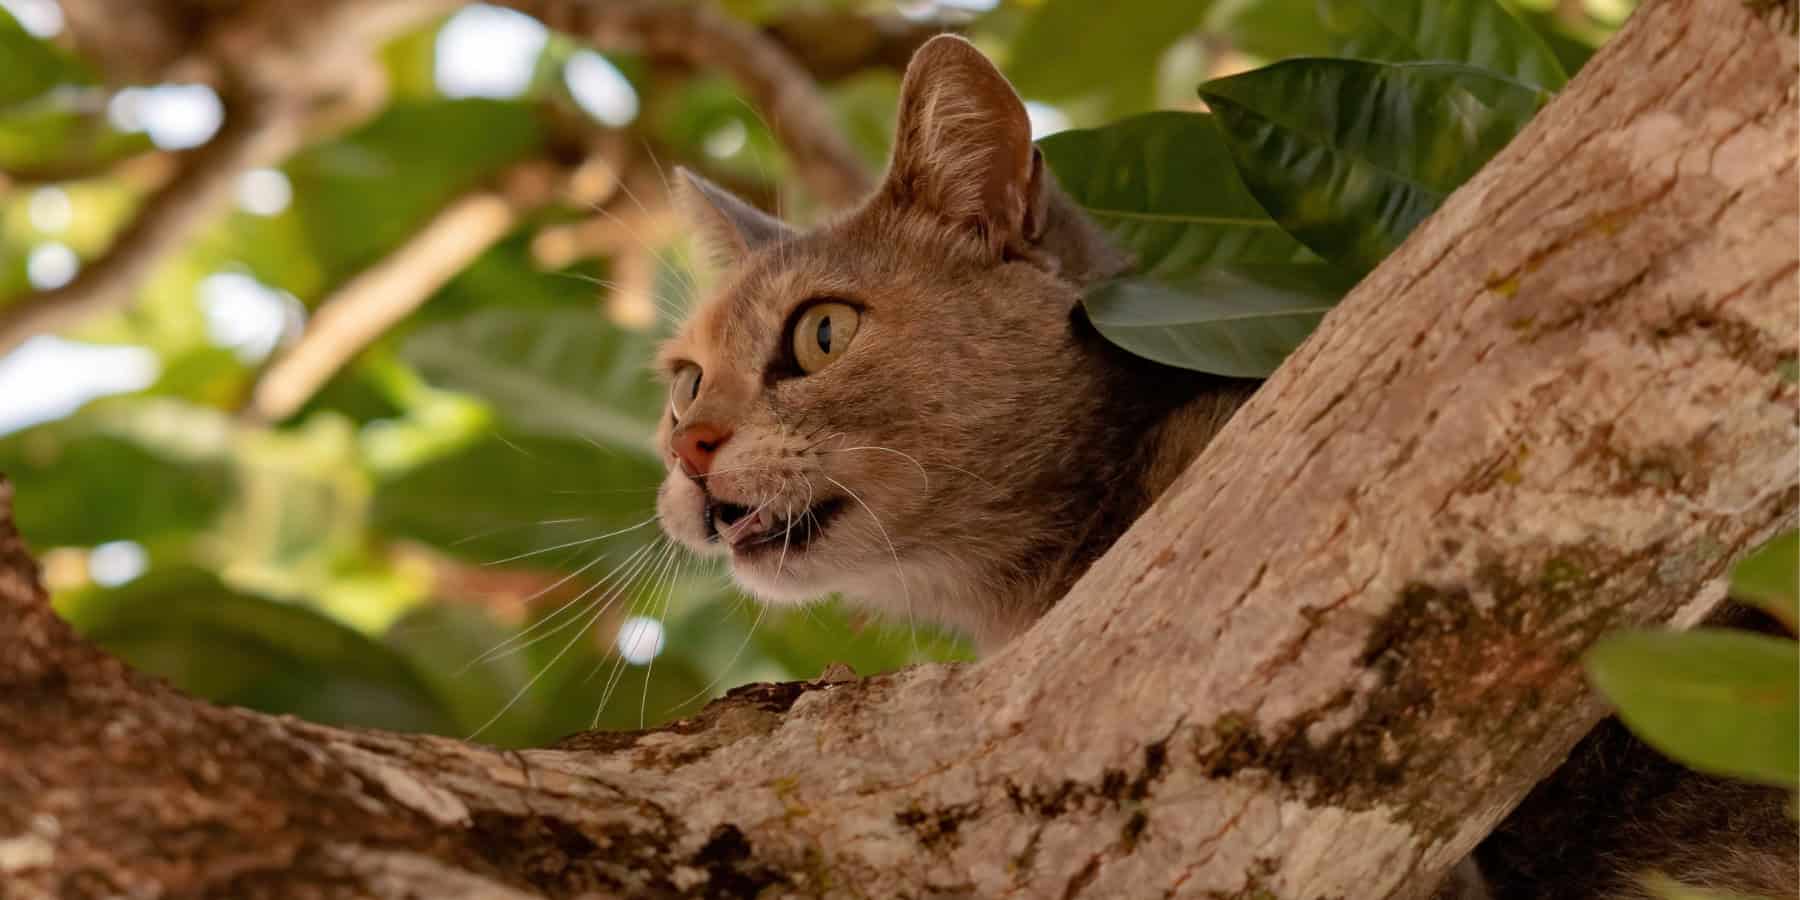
{"x":1339,"y":649}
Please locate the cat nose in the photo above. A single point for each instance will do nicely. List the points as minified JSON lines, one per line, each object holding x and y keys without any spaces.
{"x":696,"y":444}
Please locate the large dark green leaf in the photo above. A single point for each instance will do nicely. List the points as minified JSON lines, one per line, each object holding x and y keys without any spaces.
{"x":564,"y":372}
{"x":82,"y":482}
{"x":186,"y":626}
{"x":515,"y":494}
{"x":1350,"y":156}
{"x":1218,"y":286}
{"x":1078,"y":49}
{"x":1721,"y":701}
{"x":1478,"y":33}
{"x":1240,"y":322}
{"x":1770,"y":578}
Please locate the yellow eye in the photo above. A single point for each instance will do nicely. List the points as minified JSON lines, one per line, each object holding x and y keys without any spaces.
{"x":684,"y":389}
{"x":823,"y":334}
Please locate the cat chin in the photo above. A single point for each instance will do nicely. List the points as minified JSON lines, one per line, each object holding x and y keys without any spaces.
{"x":785,"y":590}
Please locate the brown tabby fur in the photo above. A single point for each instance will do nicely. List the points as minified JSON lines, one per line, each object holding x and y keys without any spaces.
{"x":984,"y":446}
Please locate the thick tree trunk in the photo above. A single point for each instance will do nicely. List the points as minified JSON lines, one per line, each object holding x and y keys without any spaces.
{"x":1323,"y":666}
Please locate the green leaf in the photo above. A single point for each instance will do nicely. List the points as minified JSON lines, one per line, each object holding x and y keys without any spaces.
{"x":1721,"y":701}
{"x":1350,"y":156}
{"x":1077,"y":49}
{"x":1769,"y":578}
{"x":229,"y":647}
{"x":1478,"y":33}
{"x":556,"y":372}
{"x":82,"y":482}
{"x":514,"y":496}
{"x":394,"y":173}
{"x":1240,"y":323}
{"x":1219,"y":286}
{"x":449,"y":644}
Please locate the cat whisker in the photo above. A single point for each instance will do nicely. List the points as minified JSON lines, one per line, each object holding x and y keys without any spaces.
{"x":906,"y":456}
{"x":664,"y":569}
{"x":512,"y":645}
{"x":899,"y":572}
{"x":503,"y":528}
{"x":526,"y":688}
{"x":725,"y":669}
{"x":568,"y":544}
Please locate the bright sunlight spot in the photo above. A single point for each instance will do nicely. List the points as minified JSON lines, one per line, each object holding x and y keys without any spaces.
{"x":39,"y":18}
{"x":50,"y":210}
{"x":264,"y":192}
{"x":176,"y":116}
{"x":485,"y":51}
{"x":726,"y":140}
{"x":248,"y":316}
{"x":50,"y":266}
{"x":47,"y":378}
{"x":601,"y":89}
{"x":1045,"y":119}
{"x":117,"y":562}
{"x":640,"y":640}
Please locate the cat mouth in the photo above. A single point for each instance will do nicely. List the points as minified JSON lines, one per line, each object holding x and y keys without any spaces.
{"x":756,"y":532}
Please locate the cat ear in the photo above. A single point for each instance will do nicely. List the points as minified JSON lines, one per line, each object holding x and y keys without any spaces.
{"x":963,"y":147}
{"x":729,"y":227}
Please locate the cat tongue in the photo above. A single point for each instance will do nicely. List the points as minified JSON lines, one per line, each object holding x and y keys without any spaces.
{"x":753,"y":526}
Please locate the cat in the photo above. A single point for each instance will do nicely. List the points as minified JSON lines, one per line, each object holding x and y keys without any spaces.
{"x":906,"y":406}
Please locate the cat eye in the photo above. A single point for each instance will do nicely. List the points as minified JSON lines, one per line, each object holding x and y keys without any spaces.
{"x":822,"y":334}
{"x":683,"y":390}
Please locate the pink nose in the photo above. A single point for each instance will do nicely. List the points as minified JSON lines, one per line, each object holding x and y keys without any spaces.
{"x":696,"y":444}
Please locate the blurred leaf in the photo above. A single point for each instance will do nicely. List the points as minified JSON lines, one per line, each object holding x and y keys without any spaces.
{"x":1721,"y":701}
{"x":519,"y":494}
{"x":548,"y":371}
{"x":1350,"y":156}
{"x":186,"y":626}
{"x":83,"y":482}
{"x":804,"y":641}
{"x":1240,"y":322}
{"x":1078,"y":49}
{"x":393,"y":174}
{"x":450,"y":645}
{"x":1478,"y":33}
{"x":29,"y":66}
{"x":1221,"y":287}
{"x":1770,"y":578}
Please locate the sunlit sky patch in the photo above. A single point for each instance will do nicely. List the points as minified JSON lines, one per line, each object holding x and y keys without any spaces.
{"x":247,"y":316}
{"x":117,"y":562}
{"x":39,"y":18}
{"x":640,"y":639}
{"x":1045,"y":119}
{"x":175,"y":116}
{"x":50,"y":210}
{"x":50,"y":266}
{"x":485,"y":51}
{"x":264,"y":192}
{"x":600,"y":89}
{"x":48,"y":377}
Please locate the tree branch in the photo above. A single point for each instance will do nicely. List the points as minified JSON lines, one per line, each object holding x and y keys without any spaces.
{"x":253,"y":134}
{"x":1325,"y":664}
{"x":378,"y":298}
{"x":776,"y":85}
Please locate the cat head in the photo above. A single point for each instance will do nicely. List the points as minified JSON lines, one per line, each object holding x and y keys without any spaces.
{"x":886,"y":406}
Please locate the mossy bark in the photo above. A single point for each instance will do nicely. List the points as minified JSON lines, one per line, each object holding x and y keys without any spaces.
{"x":1324,"y":665}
